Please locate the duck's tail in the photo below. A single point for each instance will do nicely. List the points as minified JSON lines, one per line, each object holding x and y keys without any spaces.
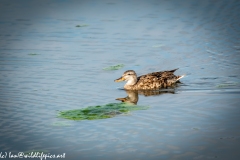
{"x":179,"y":77}
{"x":175,"y":80}
{"x":173,"y":70}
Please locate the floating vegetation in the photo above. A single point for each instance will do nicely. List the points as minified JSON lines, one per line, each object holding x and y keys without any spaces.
{"x":82,"y":25}
{"x":32,"y":54}
{"x":100,"y":112}
{"x":227,"y":85}
{"x":116,"y":67}
{"x":61,"y":124}
{"x":195,"y":128}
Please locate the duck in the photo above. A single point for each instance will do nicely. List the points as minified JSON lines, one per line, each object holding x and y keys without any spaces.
{"x":150,"y":81}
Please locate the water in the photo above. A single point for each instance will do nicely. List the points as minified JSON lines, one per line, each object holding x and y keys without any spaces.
{"x":48,"y":64}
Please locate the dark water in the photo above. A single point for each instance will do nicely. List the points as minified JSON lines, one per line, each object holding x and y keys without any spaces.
{"x":48,"y":64}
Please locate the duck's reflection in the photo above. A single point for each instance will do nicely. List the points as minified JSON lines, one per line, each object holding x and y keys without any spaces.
{"x":131,"y":98}
{"x":133,"y":95}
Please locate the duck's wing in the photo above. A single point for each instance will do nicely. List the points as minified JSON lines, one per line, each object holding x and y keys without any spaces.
{"x":157,"y":80}
{"x":162,"y":74}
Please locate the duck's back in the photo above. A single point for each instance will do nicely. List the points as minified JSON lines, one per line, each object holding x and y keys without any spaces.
{"x":163,"y":73}
{"x":156,"y":80}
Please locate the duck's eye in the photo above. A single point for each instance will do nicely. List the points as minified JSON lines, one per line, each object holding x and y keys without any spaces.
{"x":129,"y":74}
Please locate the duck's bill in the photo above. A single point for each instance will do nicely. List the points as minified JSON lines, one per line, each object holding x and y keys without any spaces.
{"x":119,"y":79}
{"x":121,"y":99}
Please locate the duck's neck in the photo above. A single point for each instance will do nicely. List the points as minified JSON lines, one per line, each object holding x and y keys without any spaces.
{"x":132,"y":81}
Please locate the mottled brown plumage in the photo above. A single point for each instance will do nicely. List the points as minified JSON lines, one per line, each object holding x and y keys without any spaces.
{"x":149,"y":81}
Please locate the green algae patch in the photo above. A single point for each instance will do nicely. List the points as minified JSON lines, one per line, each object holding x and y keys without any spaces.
{"x":227,"y":85}
{"x":116,"y":67}
{"x":33,"y":54}
{"x":82,"y":25}
{"x":101,"y":111}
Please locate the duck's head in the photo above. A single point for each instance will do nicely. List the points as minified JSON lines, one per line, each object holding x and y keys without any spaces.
{"x":130,"y":76}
